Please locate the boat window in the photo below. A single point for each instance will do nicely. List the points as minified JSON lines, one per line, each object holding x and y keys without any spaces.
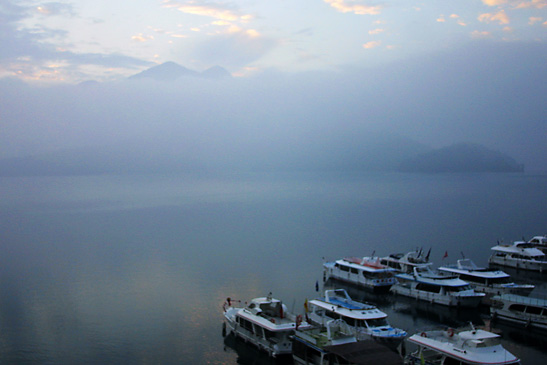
{"x":428,"y":288}
{"x":344,"y":268}
{"x":350,"y":321}
{"x":246,"y":324}
{"x":304,"y":352}
{"x":377,"y":322}
{"x":455,"y":289}
{"x":488,"y":342}
{"x":319,"y":312}
{"x":533,"y":310}
{"x":332,"y":314}
{"x":517,"y":307}
{"x":504,"y":280}
{"x":258,"y":330}
{"x":269,"y":334}
{"x":473,"y":279}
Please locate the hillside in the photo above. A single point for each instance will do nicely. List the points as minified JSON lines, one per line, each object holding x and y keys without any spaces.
{"x":463,"y":157}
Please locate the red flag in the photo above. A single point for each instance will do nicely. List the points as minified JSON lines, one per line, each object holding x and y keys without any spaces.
{"x":445,"y":255}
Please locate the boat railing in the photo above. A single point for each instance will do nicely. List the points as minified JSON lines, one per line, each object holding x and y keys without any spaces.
{"x":520,"y":299}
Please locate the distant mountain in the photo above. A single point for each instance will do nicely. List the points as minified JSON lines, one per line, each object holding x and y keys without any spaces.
{"x":463,"y":157}
{"x":165,"y":72}
{"x":169,"y":71}
{"x":215,"y":72}
{"x":367,"y":153}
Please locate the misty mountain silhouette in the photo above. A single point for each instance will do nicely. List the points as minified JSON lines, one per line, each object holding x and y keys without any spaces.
{"x":382,"y":153}
{"x":169,"y":71}
{"x":461,"y":157}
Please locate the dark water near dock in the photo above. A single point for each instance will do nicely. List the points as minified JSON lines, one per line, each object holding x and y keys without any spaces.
{"x":135,"y":269}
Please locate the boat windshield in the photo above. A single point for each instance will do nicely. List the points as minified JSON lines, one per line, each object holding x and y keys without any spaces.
{"x":457,"y":288}
{"x":503,"y":280}
{"x":486,"y":342}
{"x":378,"y":322}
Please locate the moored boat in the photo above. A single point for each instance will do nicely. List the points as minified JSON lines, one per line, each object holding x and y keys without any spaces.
{"x":335,"y":343}
{"x":519,"y":255}
{"x":367,"y":272}
{"x":365,"y":320}
{"x":425,"y":284}
{"x":485,"y":280}
{"x":461,"y":346}
{"x":527,"y":311}
{"x":264,"y":322}
{"x":406,"y":262}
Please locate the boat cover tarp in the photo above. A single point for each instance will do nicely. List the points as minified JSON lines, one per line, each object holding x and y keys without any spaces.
{"x":366,"y":352}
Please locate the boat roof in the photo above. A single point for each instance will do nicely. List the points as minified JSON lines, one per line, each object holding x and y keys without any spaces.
{"x":514,"y":248}
{"x":427,"y":276}
{"x":280,"y":324}
{"x":365,"y":265}
{"x":365,"y":312}
{"x":461,"y":268}
{"x":540,"y":240}
{"x":469,"y":346}
{"x":540,"y":302}
{"x":437,"y":280}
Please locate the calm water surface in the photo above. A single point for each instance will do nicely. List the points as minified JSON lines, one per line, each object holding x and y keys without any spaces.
{"x":135,"y":269}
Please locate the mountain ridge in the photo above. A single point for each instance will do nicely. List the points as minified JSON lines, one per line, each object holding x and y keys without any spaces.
{"x":169,"y":71}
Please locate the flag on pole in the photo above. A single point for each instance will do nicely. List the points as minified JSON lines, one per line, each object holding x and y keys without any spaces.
{"x":445,"y":255}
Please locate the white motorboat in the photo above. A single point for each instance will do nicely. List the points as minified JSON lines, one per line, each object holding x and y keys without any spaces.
{"x":406,"y":262}
{"x":519,"y":255}
{"x":538,"y":241}
{"x":265,"y":322}
{"x":366,"y":320}
{"x":427,"y":285}
{"x":335,"y":343}
{"x":462,"y":346}
{"x":528,"y":311}
{"x":366,"y":272}
{"x":485,"y":280}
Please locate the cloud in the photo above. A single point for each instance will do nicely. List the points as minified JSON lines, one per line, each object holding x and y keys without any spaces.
{"x":376,"y":31}
{"x":142,"y":38}
{"x":534,"y":19}
{"x":234,"y":48}
{"x":441,"y":19}
{"x":349,"y":6}
{"x":500,"y":17}
{"x":372,"y":44}
{"x":538,"y":4}
{"x":212,"y":10}
{"x":494,"y":2}
{"x":480,"y":34}
{"x":53,"y":8}
{"x":29,"y":53}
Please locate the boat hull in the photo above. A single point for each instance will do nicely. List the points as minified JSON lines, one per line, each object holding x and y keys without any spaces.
{"x":435,"y":298}
{"x":277,"y":345}
{"x":380,"y":285}
{"x":524,"y":311}
{"x":531,"y":265}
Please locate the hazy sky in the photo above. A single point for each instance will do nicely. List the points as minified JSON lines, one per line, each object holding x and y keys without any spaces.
{"x":310,"y":76}
{"x":103,"y":39}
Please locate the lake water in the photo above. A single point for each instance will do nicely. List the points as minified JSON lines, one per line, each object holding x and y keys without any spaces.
{"x":135,"y":269}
